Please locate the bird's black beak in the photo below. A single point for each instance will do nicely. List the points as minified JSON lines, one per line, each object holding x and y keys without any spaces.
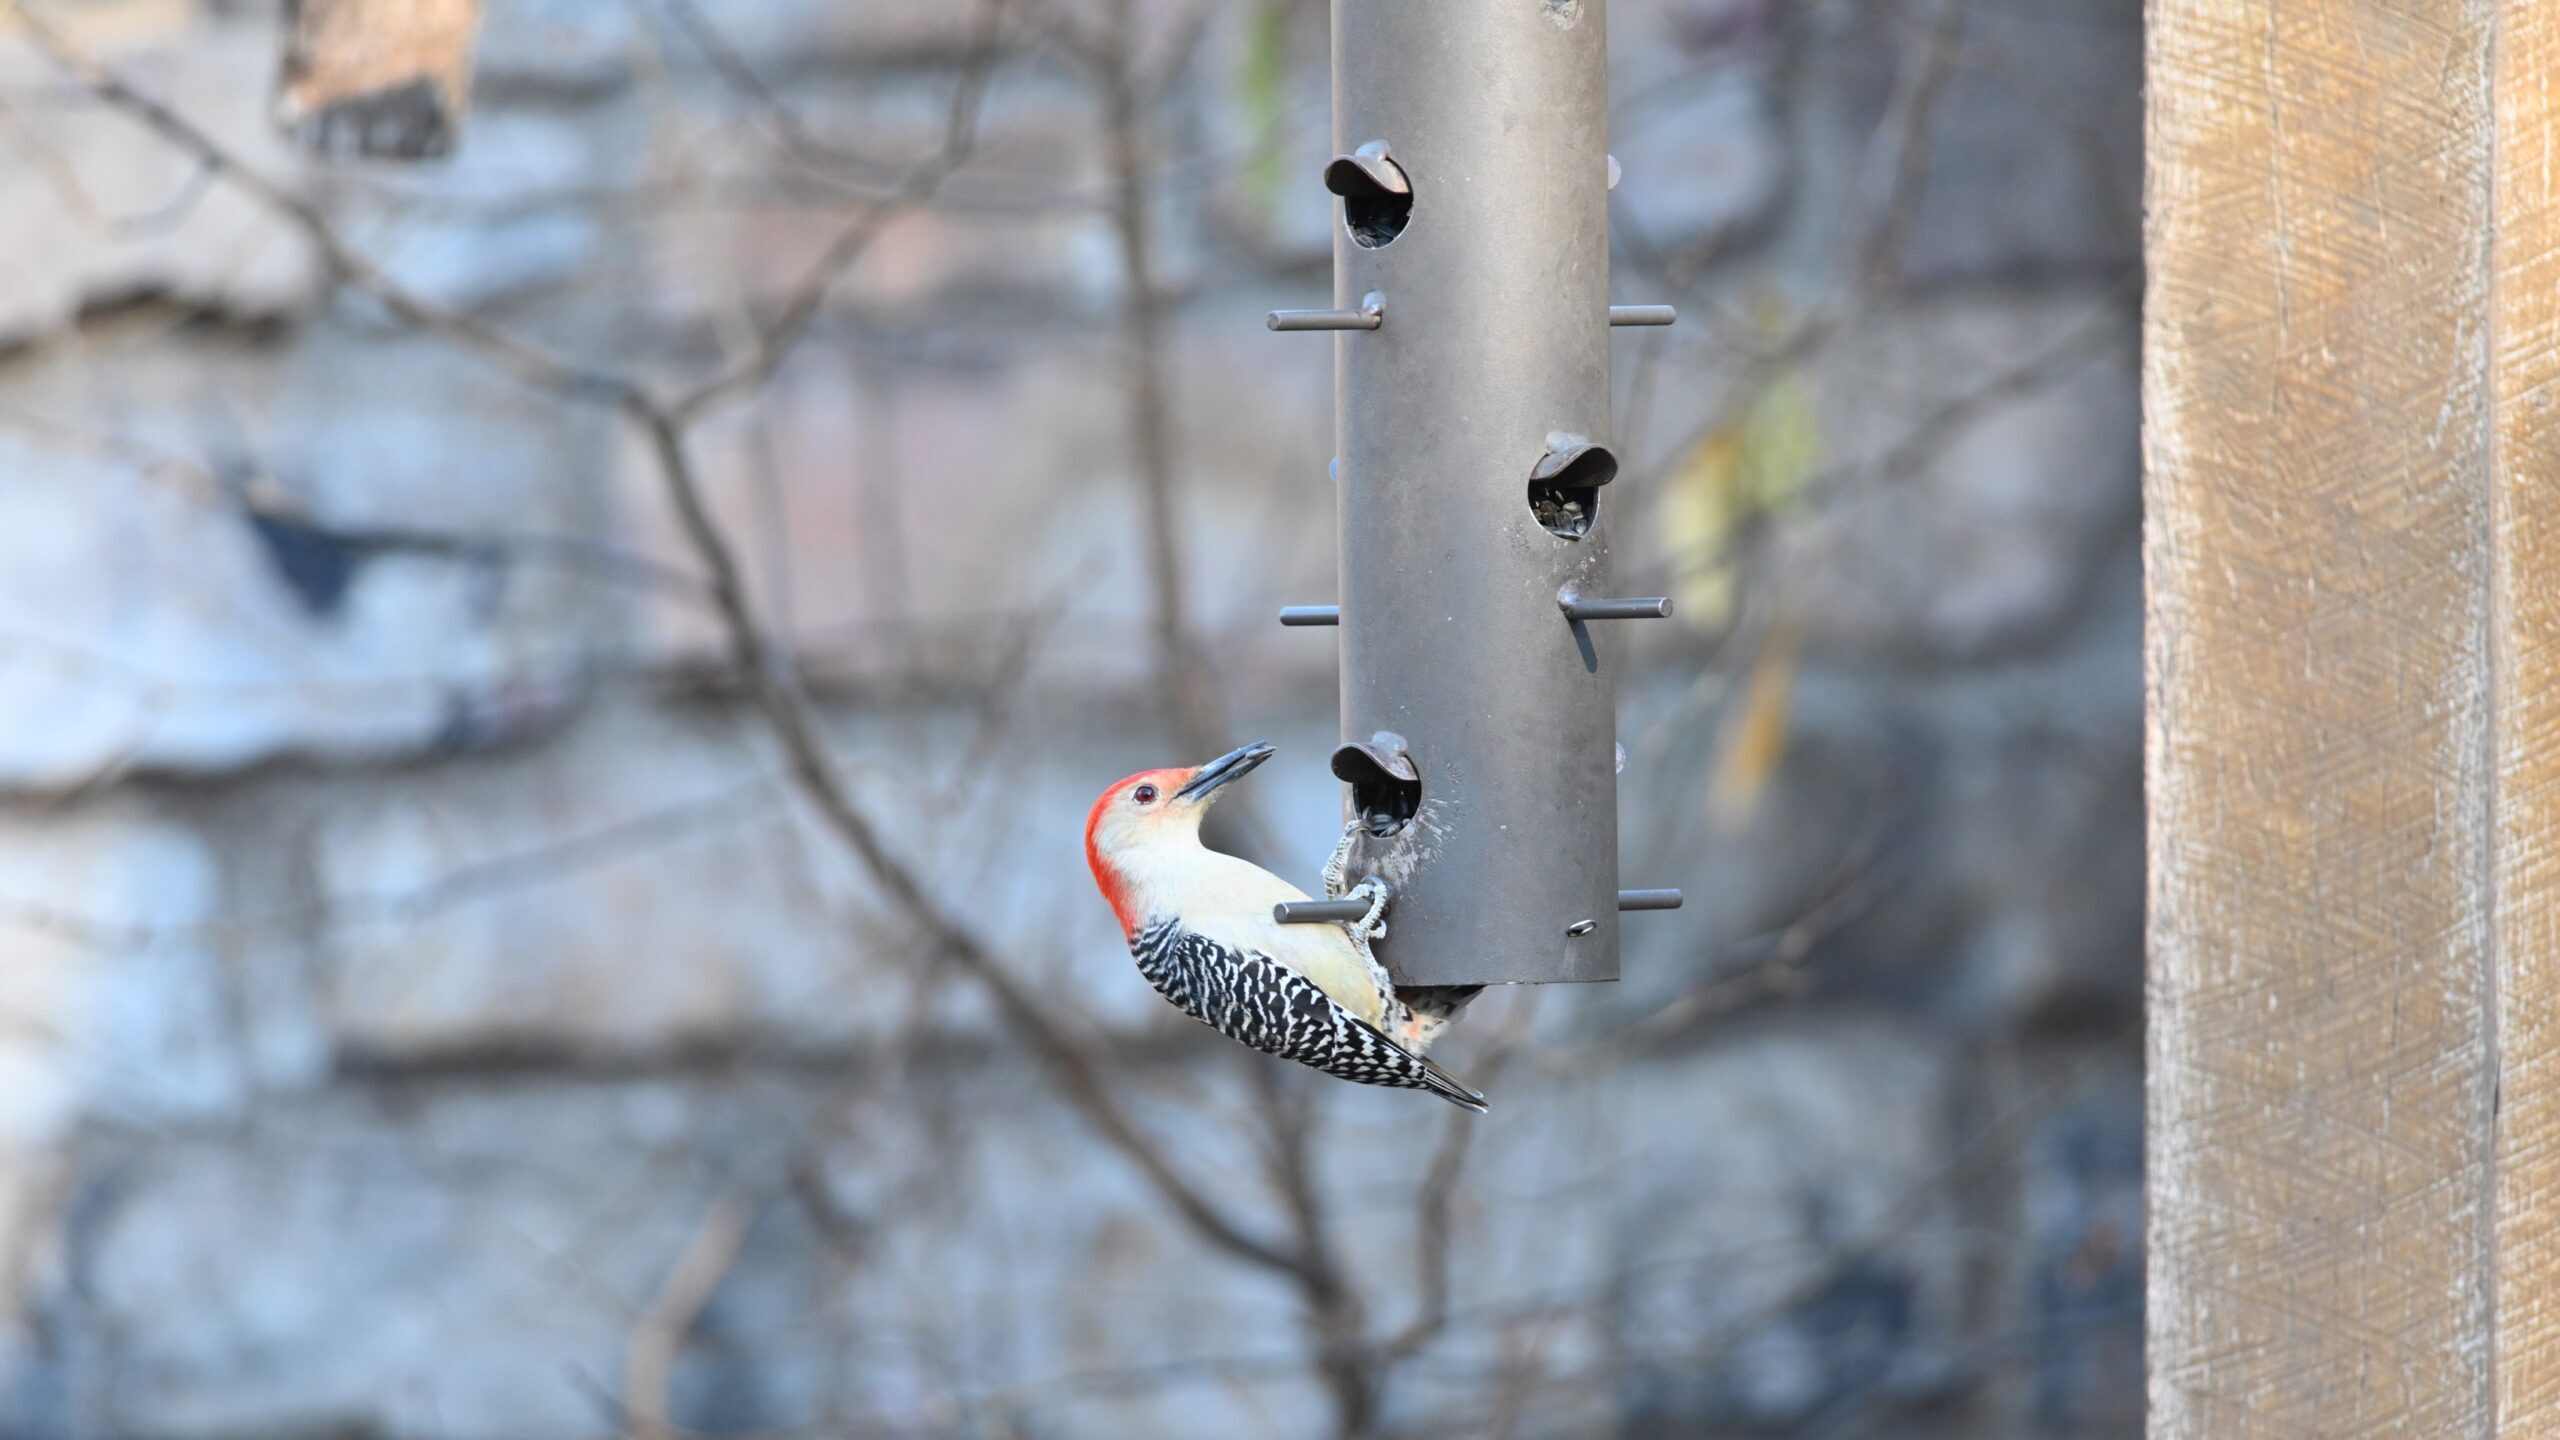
{"x":1234,"y":765}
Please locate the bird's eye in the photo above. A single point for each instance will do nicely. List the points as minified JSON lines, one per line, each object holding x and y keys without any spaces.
{"x":1146,"y":794}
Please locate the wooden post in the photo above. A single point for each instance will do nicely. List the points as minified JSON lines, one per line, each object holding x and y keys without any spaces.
{"x":2352,"y":456}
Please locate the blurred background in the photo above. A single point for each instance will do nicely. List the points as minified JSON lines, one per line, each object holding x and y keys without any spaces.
{"x":548,"y":696}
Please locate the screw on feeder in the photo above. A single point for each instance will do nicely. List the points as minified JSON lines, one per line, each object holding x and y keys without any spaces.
{"x":1370,"y":315}
{"x":1627,"y":900}
{"x":1298,"y":615}
{"x":1623,"y":315}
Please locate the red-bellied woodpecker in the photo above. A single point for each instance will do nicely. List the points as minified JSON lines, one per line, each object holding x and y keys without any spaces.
{"x":1200,"y":925}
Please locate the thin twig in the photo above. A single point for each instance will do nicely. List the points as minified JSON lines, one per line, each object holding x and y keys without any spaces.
{"x":657,"y":1337}
{"x":1334,"y":1314}
{"x":783,"y":333}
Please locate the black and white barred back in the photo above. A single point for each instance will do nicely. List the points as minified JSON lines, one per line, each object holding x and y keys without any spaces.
{"x":1250,"y":997}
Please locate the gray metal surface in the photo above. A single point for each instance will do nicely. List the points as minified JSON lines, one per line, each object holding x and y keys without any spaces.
{"x":1493,"y":362}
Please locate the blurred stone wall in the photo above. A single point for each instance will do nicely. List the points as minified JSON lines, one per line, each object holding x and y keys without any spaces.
{"x":411,"y":950}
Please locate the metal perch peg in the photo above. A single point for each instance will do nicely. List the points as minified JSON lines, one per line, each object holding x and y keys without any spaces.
{"x":1320,"y":912}
{"x":1372,"y":313}
{"x":1635,"y":315}
{"x":1310,"y":614}
{"x":1575,"y":607}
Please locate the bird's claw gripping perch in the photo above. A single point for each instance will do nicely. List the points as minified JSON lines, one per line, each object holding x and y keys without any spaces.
{"x":1370,"y":927}
{"x":1340,"y":864}
{"x":1373,"y":925}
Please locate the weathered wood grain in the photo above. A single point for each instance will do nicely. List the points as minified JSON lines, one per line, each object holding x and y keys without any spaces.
{"x":2525,"y":396}
{"x":387,"y":79}
{"x":2352,"y":477}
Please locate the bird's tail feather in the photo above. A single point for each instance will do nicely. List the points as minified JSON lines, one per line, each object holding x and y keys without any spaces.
{"x":1445,"y":1085}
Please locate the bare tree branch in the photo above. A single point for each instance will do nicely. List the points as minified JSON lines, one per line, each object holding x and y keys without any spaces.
{"x":649,"y":1358}
{"x":773,"y":684}
{"x":1435,"y":1202}
{"x":527,"y":362}
{"x":1334,"y":1314}
{"x":813,"y":770}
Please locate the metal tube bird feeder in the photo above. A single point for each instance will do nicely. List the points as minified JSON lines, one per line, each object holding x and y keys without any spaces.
{"x":1472,"y":415}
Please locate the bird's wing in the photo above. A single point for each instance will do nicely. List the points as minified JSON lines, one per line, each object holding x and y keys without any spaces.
{"x":1253,"y":997}
{"x":1232,"y":905}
